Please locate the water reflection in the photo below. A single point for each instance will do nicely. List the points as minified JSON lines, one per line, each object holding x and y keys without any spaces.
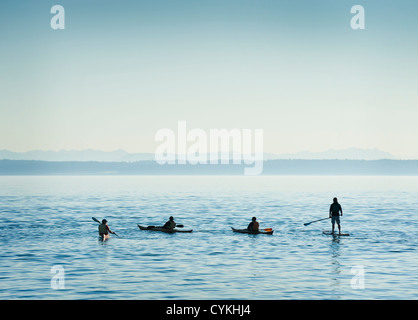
{"x":335,"y":271}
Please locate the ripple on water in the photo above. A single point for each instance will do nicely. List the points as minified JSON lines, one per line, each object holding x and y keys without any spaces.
{"x":50,"y":224}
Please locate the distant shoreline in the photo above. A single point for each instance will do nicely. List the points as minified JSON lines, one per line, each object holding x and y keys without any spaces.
{"x":271,"y":167}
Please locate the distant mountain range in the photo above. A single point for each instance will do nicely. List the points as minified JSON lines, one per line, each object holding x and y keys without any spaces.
{"x":124,"y":156}
{"x":343,"y":154}
{"x":77,"y":155}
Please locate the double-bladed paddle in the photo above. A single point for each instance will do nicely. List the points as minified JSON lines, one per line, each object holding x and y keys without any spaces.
{"x":177,"y":226}
{"x":94,"y":219}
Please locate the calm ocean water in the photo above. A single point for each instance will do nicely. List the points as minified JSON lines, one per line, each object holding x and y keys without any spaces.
{"x":50,"y":249}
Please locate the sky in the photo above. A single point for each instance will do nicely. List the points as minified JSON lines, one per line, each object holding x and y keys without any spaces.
{"x":122,"y":70}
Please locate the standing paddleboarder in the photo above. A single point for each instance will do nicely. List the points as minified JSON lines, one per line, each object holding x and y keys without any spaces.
{"x":334,"y":214}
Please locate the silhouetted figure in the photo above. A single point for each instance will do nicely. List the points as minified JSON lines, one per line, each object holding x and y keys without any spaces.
{"x":334,"y":214}
{"x":170,"y":224}
{"x":254,"y":225}
{"x":104,"y":229}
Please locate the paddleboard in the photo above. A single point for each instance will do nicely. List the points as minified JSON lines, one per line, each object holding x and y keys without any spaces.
{"x":327,"y":232}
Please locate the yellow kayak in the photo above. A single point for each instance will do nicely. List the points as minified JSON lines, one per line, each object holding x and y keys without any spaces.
{"x":252,"y":232}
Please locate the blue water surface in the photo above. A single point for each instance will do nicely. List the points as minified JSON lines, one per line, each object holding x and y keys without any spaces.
{"x":45,"y":224}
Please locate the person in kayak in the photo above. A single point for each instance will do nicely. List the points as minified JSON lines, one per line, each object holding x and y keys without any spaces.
{"x":254,"y":225}
{"x":104,"y":228}
{"x":334,"y":214}
{"x":170,"y":224}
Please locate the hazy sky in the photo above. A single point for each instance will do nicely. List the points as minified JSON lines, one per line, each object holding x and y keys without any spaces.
{"x":122,"y":70}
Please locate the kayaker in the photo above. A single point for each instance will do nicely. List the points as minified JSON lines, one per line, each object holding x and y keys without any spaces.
{"x":170,"y":224}
{"x":104,"y":228}
{"x":334,"y":214}
{"x":254,"y":225}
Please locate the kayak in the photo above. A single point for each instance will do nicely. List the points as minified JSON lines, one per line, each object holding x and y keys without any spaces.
{"x":152,"y":228}
{"x":252,"y":232}
{"x":335,"y":233}
{"x":104,"y":237}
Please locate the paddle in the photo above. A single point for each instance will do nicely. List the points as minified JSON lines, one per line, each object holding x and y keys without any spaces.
{"x":94,"y":219}
{"x":308,"y":223}
{"x":177,"y":226}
